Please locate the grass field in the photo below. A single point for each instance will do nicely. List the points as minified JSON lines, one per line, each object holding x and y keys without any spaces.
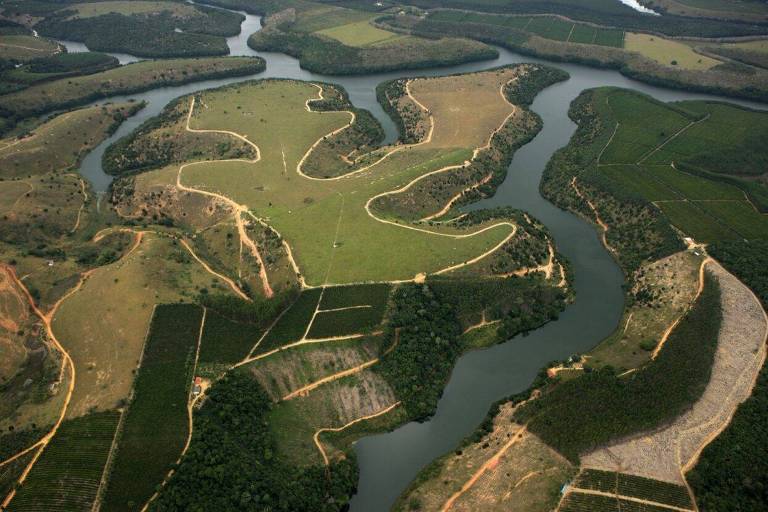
{"x":88,"y":10}
{"x":103,"y":326}
{"x":68,"y":473}
{"x":59,"y":144}
{"x":23,"y":48}
{"x":668,"y":52}
{"x":156,"y":424}
{"x":326,"y":222}
{"x":123,"y":80}
{"x":360,"y":33}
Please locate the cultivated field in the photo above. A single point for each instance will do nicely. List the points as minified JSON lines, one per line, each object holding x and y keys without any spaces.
{"x":692,"y":160}
{"x":669,"y":452}
{"x":157,"y":422}
{"x":68,"y":474}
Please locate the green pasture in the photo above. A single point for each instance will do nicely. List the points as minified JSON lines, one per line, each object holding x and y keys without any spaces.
{"x":23,"y":48}
{"x":91,"y":9}
{"x":333,"y":238}
{"x":360,"y":33}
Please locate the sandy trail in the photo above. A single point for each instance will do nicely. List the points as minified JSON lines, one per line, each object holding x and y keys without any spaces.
{"x":488,"y":465}
{"x":319,"y":444}
{"x":598,"y":220}
{"x":46,"y":318}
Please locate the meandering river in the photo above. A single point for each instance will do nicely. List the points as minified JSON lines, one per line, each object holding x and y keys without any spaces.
{"x":389,"y":462}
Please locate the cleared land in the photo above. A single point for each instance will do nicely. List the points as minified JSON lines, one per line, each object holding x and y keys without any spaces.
{"x":508,"y":469}
{"x":661,"y":293}
{"x":326,"y":223}
{"x":667,"y":453}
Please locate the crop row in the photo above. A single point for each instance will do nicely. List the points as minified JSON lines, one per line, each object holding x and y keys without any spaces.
{"x":548,"y":27}
{"x":225,"y":341}
{"x":578,"y":502}
{"x":635,"y":486}
{"x":156,"y":425}
{"x":68,"y":473}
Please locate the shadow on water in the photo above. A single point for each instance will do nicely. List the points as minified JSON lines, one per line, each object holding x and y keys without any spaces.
{"x":389,"y":462}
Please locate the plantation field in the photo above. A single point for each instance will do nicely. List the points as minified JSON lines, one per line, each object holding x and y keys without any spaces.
{"x":23,"y":48}
{"x":329,"y":312}
{"x":59,"y":144}
{"x":104,"y":324}
{"x":293,"y":323}
{"x":68,"y":473}
{"x":326,"y":222}
{"x":156,"y":424}
{"x":687,"y":159}
{"x":695,"y":223}
{"x":123,"y":80}
{"x":634,"y":486}
{"x":548,"y":27}
{"x":225,"y":341}
{"x":668,"y":52}
{"x":579,"y":502}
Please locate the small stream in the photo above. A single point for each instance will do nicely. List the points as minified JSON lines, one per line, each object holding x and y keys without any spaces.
{"x":389,"y":462}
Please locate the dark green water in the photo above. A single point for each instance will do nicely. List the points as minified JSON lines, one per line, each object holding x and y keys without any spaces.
{"x":389,"y":462}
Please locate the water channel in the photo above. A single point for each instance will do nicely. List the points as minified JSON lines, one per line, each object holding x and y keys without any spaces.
{"x":389,"y":462}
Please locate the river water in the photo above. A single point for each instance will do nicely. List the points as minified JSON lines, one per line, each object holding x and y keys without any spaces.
{"x":389,"y":462}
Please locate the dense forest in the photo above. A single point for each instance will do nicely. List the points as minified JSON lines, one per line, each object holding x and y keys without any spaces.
{"x":429,"y":319}
{"x":157,"y":34}
{"x":577,"y":415}
{"x":732,"y":472}
{"x":232,"y":463}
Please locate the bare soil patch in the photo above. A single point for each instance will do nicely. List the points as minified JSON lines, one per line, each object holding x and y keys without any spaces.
{"x":667,"y":453}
